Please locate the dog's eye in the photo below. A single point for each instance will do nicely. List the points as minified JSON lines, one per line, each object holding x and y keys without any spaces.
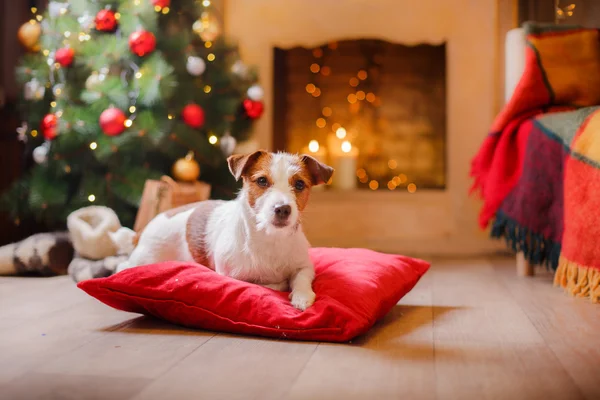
{"x":262,"y":181}
{"x":299,"y":185}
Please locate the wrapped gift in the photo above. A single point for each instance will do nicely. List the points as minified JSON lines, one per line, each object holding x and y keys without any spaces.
{"x":165,"y":194}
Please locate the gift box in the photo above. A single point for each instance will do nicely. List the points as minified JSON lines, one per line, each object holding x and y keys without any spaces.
{"x":164,"y":194}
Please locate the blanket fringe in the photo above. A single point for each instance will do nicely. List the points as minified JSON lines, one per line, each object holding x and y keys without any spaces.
{"x":578,"y":280}
{"x":537,"y":249}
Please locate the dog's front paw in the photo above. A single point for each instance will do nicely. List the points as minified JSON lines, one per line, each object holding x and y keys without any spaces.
{"x":302,"y":299}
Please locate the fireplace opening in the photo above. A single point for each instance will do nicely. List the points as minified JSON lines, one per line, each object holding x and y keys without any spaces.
{"x":374,"y":110}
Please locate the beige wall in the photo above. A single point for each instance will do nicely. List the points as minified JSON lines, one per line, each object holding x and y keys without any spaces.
{"x":426,"y":222}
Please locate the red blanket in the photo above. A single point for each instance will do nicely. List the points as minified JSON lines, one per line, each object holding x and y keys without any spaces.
{"x":561,"y":73}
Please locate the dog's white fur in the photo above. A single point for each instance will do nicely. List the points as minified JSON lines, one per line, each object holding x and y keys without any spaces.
{"x":241,"y":241}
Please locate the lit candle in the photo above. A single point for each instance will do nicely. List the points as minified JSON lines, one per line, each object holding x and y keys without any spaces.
{"x":344,"y":163}
{"x":319,"y":153}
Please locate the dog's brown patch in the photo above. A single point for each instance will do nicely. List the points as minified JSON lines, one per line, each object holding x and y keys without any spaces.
{"x":195,"y":231}
{"x":303,"y":175}
{"x":260,"y":167}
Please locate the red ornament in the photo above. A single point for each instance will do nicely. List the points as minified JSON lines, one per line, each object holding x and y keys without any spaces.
{"x":161,"y":3}
{"x":49,"y":126}
{"x":193,"y":115}
{"x":112,"y":121}
{"x":106,"y":21}
{"x":64,"y":56}
{"x":254,"y":109}
{"x":142,"y":42}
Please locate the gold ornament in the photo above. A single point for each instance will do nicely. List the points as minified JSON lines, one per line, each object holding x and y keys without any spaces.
{"x":29,"y":35}
{"x":186,"y":169}
{"x":207,"y":26}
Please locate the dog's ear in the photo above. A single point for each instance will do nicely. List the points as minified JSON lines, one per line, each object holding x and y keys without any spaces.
{"x":239,"y":163}
{"x":319,"y":172}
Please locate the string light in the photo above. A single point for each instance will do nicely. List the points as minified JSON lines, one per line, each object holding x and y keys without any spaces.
{"x":63,"y":11}
{"x":53,"y":104}
{"x":59,"y":113}
{"x":132,"y":109}
{"x":411,"y":188}
{"x":370,"y":97}
{"x":210,"y":57}
{"x":396,"y":181}
{"x":67,"y":34}
{"x":362,"y":75}
{"x":317,"y":53}
{"x":46,"y":52}
{"x":310,"y":88}
{"x":393,"y":164}
{"x":212,"y":139}
{"x":317,"y":92}
{"x":373,"y":185}
{"x":157,"y":8}
{"x":68,"y":169}
{"x":206,"y":3}
{"x":346,"y":146}
{"x":138,"y":75}
{"x":207,"y":89}
{"x":327,"y":111}
{"x":403,"y":178}
{"x":33,"y":10}
{"x":360,"y":95}
{"x":128,"y":123}
{"x":208,"y":44}
{"x":314,"y":68}
{"x":93,"y":145}
{"x":39,"y":18}
{"x":335,"y":127}
{"x":34,"y":133}
{"x":91,"y":198}
{"x":361,"y":172}
{"x":321,"y":123}
{"x":313,"y":146}
{"x":166,"y":10}
{"x":117,"y":15}
{"x":170,"y":116}
{"x":340,"y":133}
{"x":351,"y":98}
{"x":325,"y":71}
{"x":391,"y":185}
{"x":353,"y":82}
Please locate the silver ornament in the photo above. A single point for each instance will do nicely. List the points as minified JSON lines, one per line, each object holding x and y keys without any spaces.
{"x":22,"y":132}
{"x":55,"y":8}
{"x":195,"y":65}
{"x":93,"y":80}
{"x":255,"y":93}
{"x":227,"y":144}
{"x":86,"y":22}
{"x":58,"y":89}
{"x":239,"y":68}
{"x":40,"y":154}
{"x":34,"y":90}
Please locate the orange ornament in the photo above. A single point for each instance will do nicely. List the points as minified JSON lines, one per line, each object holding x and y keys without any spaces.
{"x":29,"y":35}
{"x":186,"y":169}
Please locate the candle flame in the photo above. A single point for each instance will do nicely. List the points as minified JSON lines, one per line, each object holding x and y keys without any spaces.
{"x":313,"y":146}
{"x":346,"y":146}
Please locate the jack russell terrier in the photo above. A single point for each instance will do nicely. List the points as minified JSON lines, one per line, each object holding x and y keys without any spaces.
{"x":255,"y":238}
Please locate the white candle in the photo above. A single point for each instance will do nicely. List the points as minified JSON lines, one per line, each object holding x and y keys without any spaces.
{"x":320,"y":154}
{"x":344,"y":163}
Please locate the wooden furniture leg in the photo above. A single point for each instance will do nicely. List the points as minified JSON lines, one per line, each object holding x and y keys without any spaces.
{"x":524,"y":267}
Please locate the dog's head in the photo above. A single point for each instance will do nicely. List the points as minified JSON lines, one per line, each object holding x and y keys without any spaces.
{"x":277,"y":185}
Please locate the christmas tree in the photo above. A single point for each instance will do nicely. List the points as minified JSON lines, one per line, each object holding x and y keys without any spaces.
{"x":116,"y":92}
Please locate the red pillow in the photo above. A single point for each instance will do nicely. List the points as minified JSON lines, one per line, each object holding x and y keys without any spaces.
{"x":354,"y":288}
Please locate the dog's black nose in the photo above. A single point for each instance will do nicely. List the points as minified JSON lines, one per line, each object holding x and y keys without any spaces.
{"x":283,"y":212}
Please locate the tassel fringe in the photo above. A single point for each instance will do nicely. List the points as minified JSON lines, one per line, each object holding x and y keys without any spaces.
{"x":537,"y":249}
{"x":578,"y":280}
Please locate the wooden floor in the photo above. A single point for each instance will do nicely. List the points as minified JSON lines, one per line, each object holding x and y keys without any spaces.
{"x":469,"y":330}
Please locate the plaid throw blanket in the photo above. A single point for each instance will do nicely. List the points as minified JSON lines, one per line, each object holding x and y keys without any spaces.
{"x":519,"y":168}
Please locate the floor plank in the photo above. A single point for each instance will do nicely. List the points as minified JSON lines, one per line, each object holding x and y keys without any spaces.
{"x":470,"y":329}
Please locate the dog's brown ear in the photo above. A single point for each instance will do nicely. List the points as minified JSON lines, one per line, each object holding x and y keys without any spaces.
{"x":239,"y":163}
{"x":319,"y":172}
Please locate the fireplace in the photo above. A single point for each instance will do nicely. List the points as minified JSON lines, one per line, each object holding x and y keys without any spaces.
{"x":379,"y":104}
{"x":462,"y":46}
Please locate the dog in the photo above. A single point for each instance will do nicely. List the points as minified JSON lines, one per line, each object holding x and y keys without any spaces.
{"x":256,"y":237}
